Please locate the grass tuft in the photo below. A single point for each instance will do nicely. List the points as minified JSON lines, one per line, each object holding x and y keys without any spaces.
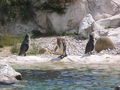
{"x":107,"y":27}
{"x":9,"y":41}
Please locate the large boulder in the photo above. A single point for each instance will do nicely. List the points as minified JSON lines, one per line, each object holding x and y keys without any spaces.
{"x":111,"y":22}
{"x":8,"y":75}
{"x":104,"y":43}
{"x":103,"y":8}
{"x":98,"y":30}
{"x":86,"y":26}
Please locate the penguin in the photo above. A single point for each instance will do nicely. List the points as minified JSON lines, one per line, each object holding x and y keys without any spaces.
{"x":61,"y":47}
{"x":90,"y":44}
{"x":25,"y":45}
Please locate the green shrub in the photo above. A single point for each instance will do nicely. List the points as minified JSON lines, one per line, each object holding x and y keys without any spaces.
{"x":36,"y":34}
{"x":107,"y":27}
{"x":53,"y":7}
{"x":11,"y":9}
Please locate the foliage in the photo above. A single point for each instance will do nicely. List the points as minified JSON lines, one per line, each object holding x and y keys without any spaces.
{"x":54,"y":6}
{"x":8,"y":41}
{"x":36,"y":34}
{"x":107,"y":27}
{"x":1,"y":46}
{"x":15,"y":49}
{"x":35,"y":49}
{"x":11,"y":9}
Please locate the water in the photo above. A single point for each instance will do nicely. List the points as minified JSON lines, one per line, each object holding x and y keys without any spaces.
{"x":68,"y":79}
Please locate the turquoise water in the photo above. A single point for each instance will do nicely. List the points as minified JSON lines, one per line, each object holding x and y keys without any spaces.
{"x":69,"y":79}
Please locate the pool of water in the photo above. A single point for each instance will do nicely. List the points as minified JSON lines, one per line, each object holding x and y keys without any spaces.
{"x":68,"y":79}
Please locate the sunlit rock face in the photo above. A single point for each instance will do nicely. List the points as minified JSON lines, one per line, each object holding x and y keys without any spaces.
{"x":85,"y":27}
{"x":69,"y":21}
{"x":113,"y":21}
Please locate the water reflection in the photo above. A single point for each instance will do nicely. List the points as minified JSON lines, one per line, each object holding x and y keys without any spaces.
{"x":68,"y":79}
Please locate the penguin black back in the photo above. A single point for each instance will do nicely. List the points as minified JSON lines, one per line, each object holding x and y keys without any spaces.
{"x":90,"y":45}
{"x":24,"y":46}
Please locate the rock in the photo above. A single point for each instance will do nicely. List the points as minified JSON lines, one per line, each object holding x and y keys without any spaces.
{"x":45,"y":51}
{"x":111,"y":22}
{"x":59,"y":23}
{"x":18,"y":29}
{"x":8,"y":75}
{"x":114,"y":35}
{"x":86,"y":26}
{"x":5,"y":80}
{"x":103,"y":43}
{"x":117,"y":88}
{"x":103,"y":8}
{"x":99,"y":30}
{"x":71,"y":61}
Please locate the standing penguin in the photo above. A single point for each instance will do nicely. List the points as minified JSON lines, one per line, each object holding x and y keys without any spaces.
{"x":63,"y":45}
{"x":90,"y":45}
{"x":25,"y":45}
{"x":61,"y":48}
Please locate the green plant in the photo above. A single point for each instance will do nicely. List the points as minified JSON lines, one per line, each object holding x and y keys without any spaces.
{"x":11,"y":9}
{"x":1,"y":46}
{"x":107,"y":27}
{"x":36,"y":34}
{"x":26,"y":9}
{"x":53,"y":6}
{"x":15,"y":49}
{"x":34,"y":49}
{"x":9,"y":40}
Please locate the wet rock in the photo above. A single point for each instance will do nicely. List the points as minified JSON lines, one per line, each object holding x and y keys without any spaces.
{"x":117,"y":88}
{"x":6,"y":80}
{"x":8,"y":75}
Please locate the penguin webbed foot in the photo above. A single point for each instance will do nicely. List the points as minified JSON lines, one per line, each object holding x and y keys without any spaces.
{"x":62,"y":56}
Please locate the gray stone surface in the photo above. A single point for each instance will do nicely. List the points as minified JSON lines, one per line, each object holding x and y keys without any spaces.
{"x":85,"y":27}
{"x":8,"y":75}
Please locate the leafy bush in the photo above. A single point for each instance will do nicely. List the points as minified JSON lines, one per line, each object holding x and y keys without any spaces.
{"x":107,"y":27}
{"x":54,"y":6}
{"x":36,"y":34}
{"x":11,"y":9}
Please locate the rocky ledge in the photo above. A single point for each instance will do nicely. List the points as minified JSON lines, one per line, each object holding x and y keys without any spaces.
{"x":8,"y":75}
{"x":52,"y":62}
